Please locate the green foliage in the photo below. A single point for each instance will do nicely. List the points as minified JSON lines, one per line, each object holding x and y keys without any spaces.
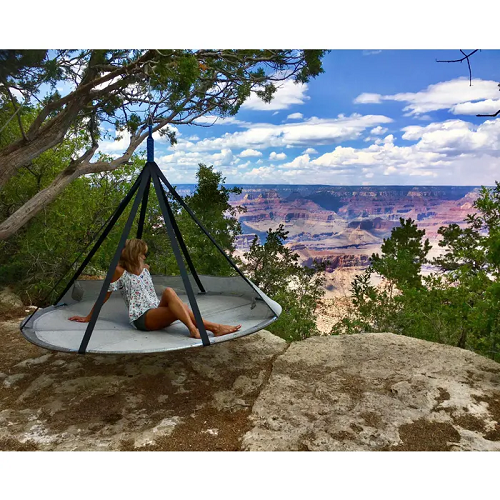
{"x":403,"y":255}
{"x":210,"y":204}
{"x":273,"y":264}
{"x":122,"y":88}
{"x":275,"y":269}
{"x":177,"y":80}
{"x":34,"y":259}
{"x":458,"y":305}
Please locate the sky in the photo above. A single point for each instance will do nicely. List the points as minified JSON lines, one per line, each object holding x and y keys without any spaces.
{"x":374,"y":117}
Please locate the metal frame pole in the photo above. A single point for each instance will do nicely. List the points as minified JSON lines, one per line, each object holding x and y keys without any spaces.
{"x":142,"y":217}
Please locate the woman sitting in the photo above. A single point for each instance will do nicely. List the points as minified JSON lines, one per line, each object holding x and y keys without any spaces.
{"x":146,"y":312}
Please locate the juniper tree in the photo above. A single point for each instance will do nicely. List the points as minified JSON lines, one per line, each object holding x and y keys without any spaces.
{"x":118,"y":88}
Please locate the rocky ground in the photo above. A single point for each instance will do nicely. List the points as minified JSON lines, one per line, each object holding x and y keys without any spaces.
{"x":359,"y":392}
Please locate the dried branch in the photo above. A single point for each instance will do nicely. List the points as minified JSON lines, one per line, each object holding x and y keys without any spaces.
{"x":17,"y":114}
{"x":496,"y":114}
{"x":8,"y":121}
{"x":466,"y":57}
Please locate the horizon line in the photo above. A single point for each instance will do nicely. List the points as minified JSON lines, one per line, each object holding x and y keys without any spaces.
{"x":346,"y":185}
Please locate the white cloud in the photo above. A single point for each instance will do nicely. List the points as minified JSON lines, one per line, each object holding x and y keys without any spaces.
{"x":303,"y":161}
{"x":295,"y":116}
{"x":102,"y":86}
{"x":312,"y":132}
{"x":277,"y":156}
{"x":217,"y":120}
{"x":191,"y":159}
{"x":121,"y":144}
{"x":378,"y":130}
{"x":225,"y":157}
{"x":181,"y":159}
{"x":457,"y":137}
{"x":382,"y":159}
{"x":288,"y":94}
{"x":487,"y":107}
{"x":250,"y":152}
{"x":367,"y":98}
{"x":164,"y":139}
{"x":18,"y":94}
{"x":444,"y":153}
{"x":423,"y":118}
{"x":371,"y":52}
{"x":310,"y":151}
{"x":443,"y":95}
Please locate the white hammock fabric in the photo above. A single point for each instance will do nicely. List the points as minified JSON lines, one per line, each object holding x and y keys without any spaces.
{"x":229,"y":300}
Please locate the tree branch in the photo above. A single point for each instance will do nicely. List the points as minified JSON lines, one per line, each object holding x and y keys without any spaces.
{"x":466,"y":57}
{"x":496,"y":114}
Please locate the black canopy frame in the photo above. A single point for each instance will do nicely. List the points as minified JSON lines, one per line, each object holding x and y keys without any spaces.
{"x":141,"y":189}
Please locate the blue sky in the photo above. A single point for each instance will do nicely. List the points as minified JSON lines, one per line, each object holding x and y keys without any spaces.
{"x":374,"y":117}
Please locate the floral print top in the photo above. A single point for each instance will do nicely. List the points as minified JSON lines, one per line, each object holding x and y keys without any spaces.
{"x":138,"y":292}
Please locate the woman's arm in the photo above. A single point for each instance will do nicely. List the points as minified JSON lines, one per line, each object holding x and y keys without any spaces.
{"x":85,"y":319}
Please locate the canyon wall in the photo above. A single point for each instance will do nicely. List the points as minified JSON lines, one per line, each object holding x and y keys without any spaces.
{"x":345,"y":225}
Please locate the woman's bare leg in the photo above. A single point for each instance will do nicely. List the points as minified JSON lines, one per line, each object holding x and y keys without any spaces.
{"x":216,"y":328}
{"x":170,"y":309}
{"x":172,"y":301}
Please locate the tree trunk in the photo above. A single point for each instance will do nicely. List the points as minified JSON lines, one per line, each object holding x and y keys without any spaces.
{"x":462,"y":339}
{"x":33,"y":206}
{"x":23,"y":152}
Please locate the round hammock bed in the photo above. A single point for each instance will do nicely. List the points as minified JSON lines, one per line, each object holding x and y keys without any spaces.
{"x":226,"y":300}
{"x":229,"y":301}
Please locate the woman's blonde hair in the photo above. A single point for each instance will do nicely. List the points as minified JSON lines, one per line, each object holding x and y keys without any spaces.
{"x":130,"y":254}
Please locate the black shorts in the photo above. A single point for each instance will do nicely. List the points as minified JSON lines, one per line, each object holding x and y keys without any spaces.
{"x":140,"y":322}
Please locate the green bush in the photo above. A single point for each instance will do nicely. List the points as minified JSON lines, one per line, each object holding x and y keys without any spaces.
{"x":275,"y":269}
{"x":458,"y":305}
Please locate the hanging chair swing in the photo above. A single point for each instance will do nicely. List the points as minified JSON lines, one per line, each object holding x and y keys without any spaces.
{"x":229,"y":300}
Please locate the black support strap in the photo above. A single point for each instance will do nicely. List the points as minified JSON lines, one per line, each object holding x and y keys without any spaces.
{"x":146,"y":176}
{"x":175,"y":247}
{"x":105,"y":233}
{"x":180,"y":239}
{"x":200,"y":225}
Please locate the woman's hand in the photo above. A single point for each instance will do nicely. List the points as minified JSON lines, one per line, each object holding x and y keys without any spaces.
{"x":80,"y":319}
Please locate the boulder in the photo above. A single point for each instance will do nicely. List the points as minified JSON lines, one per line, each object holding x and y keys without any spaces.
{"x":9,"y":301}
{"x":357,"y":392}
{"x":377,"y":391}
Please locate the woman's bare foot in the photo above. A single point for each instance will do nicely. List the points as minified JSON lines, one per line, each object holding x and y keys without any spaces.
{"x":195,"y":333}
{"x":220,"y":330}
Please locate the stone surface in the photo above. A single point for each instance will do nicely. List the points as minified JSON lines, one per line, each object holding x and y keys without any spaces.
{"x":360,"y":392}
{"x":9,"y":301}
{"x":377,"y":392}
{"x":196,"y":399}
